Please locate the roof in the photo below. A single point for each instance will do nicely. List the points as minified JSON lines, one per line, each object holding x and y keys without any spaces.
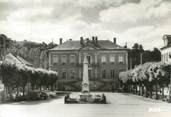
{"x":109,"y":45}
{"x":167,"y":37}
{"x":68,"y":45}
{"x":168,"y":43}
{"x":16,"y":59}
{"x":76,"y":45}
{"x":23,"y":61}
{"x":12,"y":59}
{"x":165,"y":47}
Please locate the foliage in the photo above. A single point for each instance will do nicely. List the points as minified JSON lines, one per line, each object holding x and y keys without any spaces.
{"x":18,"y":75}
{"x":147,"y":78}
{"x":150,"y":72}
{"x":5,"y":43}
{"x":137,"y":52}
{"x":35,"y":53}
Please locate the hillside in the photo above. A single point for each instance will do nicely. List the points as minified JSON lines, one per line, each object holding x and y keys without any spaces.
{"x":33,"y":52}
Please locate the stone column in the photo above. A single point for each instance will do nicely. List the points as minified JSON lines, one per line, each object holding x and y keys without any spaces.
{"x":85,"y":81}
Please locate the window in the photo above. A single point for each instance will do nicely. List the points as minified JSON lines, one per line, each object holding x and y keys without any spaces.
{"x":112,"y":73}
{"x":121,"y":59}
{"x":72,"y":59}
{"x":72,"y":74}
{"x":64,"y":75}
{"x":112,"y":59}
{"x":89,"y":73}
{"x":103,"y":59}
{"x":89,"y":59}
{"x":63,"y":59}
{"x":104,"y":74}
{"x":55,"y":59}
{"x":169,"y":55}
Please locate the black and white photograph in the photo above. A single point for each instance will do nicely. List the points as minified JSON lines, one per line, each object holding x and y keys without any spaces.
{"x":85,"y":58}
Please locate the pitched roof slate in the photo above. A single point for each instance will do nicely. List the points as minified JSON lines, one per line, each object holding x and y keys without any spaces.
{"x":76,"y":45}
{"x":16,"y":59}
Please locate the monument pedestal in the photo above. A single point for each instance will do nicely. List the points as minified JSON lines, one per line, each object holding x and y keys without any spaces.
{"x":86,"y":97}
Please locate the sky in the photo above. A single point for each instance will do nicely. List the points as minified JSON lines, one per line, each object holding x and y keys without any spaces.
{"x":130,"y":21}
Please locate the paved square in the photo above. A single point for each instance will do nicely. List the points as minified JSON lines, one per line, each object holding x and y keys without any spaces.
{"x":120,"y":105}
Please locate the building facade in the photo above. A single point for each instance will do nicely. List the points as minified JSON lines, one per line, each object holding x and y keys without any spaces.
{"x":166,"y":49}
{"x":106,"y":59}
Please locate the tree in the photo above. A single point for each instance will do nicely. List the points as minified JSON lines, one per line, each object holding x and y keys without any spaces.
{"x":137,"y":53}
{"x":16,"y":76}
{"x":156,"y":55}
{"x":147,"y":75}
{"x":135,"y":46}
{"x":5,"y":43}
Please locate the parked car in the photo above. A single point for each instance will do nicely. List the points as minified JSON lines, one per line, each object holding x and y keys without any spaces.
{"x":21,"y":98}
{"x":37,"y":95}
{"x":43,"y":95}
{"x":68,"y":100}
{"x":50,"y":94}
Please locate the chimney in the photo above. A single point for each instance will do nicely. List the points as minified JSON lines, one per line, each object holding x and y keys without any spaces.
{"x":81,"y":40}
{"x":87,"y":39}
{"x":125,"y":45}
{"x":96,"y":39}
{"x":60,"y":41}
{"x":114,"y":40}
{"x":93,"y":39}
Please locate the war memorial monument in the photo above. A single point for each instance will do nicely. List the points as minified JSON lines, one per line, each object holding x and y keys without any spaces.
{"x":86,"y":96}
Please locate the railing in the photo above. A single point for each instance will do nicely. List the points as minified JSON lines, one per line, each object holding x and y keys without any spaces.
{"x":91,"y":64}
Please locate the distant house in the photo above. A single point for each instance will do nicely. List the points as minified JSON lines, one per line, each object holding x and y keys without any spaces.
{"x":166,"y":49}
{"x":23,"y":61}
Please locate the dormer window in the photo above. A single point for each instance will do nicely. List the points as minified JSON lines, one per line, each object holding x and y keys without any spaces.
{"x":167,"y":40}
